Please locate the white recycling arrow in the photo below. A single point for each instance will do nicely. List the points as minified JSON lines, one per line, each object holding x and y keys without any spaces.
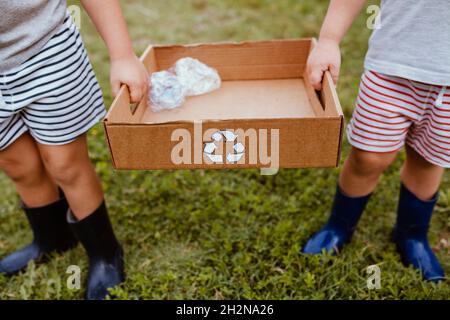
{"x":233,"y":158}
{"x":229,"y":136}
{"x":239,"y":147}
{"x":217,"y":136}
{"x":210,"y":147}
{"x":216,"y":158}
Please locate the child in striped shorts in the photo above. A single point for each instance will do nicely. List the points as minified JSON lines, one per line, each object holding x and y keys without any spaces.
{"x":403,"y":101}
{"x":49,"y":99}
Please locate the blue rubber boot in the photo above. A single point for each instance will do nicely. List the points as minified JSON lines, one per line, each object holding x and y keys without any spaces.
{"x":340,"y":227}
{"x":410,"y":234}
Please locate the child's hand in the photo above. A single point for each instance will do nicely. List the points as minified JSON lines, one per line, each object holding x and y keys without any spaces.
{"x":325,"y":56}
{"x":132,"y":72}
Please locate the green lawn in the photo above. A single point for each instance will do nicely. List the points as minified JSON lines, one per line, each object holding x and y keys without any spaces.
{"x":231,"y":234}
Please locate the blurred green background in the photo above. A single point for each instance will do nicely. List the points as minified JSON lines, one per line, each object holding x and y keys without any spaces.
{"x":231,"y":234}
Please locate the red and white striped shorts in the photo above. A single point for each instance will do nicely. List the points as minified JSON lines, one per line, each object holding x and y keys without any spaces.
{"x":391,"y":111}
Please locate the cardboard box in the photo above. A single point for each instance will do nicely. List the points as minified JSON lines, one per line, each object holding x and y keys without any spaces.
{"x":264,"y":116}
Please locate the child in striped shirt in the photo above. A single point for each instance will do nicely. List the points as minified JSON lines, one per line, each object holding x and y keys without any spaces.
{"x":404,"y":100}
{"x":49,"y":99}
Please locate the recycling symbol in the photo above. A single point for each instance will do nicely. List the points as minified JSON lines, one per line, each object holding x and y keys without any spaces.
{"x":219,"y":136}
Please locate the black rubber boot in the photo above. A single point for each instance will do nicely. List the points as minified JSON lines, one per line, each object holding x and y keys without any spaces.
{"x":51,"y":233}
{"x":106,"y":266}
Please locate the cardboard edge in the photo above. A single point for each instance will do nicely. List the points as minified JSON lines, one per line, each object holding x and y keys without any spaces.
{"x":124,"y":93}
{"x":341,"y":141}
{"x":105,"y":126}
{"x":178,"y":123}
{"x":329,"y":89}
{"x":147,"y":58}
{"x":146,"y":54}
{"x":115,"y":102}
{"x":171,"y":169}
{"x":189,"y":122}
{"x":233,"y":43}
{"x":313,"y":97}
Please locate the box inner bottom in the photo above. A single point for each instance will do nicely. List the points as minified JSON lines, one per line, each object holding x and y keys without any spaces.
{"x":250,"y":99}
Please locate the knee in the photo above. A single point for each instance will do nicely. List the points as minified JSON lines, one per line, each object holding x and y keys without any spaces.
{"x":26,"y":171}
{"x":370,"y":163}
{"x":63,"y":171}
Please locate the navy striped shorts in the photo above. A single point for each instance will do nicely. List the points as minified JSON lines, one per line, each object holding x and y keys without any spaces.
{"x":54,"y":95}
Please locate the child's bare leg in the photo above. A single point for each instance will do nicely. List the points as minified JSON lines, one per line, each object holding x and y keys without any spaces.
{"x":23,"y":165}
{"x":420,"y":176}
{"x":70,"y":166}
{"x":362,"y":170}
{"x":45,"y":210}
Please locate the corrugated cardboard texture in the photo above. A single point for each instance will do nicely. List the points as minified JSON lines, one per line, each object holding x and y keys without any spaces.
{"x":263,"y":90}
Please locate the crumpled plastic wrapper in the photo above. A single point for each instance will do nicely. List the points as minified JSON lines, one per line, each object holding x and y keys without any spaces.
{"x":188,"y":77}
{"x":196,"y":77}
{"x":166,"y":92}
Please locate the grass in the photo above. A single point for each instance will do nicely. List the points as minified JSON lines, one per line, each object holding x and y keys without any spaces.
{"x":231,"y":234}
